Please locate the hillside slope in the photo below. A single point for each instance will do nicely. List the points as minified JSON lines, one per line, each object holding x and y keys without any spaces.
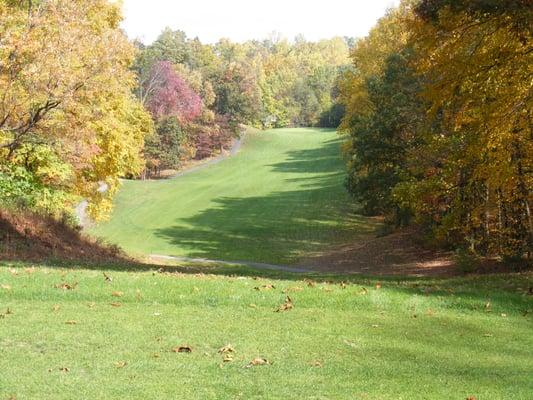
{"x":279,"y":198}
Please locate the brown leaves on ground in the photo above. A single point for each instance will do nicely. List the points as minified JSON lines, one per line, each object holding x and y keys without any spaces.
{"x":5,"y":287}
{"x":226,"y":349}
{"x":121,"y":364}
{"x":107,"y":277}
{"x":117,"y":294}
{"x":293,"y":289}
{"x":288,"y":305}
{"x":64,"y":369}
{"x":66,"y":286}
{"x":310,"y":283}
{"x":257,"y":362}
{"x":265,"y":287}
{"x":316,"y":363}
{"x":471,"y":398}
{"x":227,"y":358}
{"x":8,"y":312}
{"x":182,"y":349}
{"x":71,"y":322}
{"x":115,"y":304}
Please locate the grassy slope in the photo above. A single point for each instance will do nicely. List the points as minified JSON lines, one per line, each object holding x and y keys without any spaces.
{"x":280,"y":197}
{"x":417,"y":339}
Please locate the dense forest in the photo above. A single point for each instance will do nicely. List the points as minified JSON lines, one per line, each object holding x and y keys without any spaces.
{"x":440,"y":121}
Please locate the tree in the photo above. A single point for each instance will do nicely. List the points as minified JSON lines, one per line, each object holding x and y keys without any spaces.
{"x":68,"y":119}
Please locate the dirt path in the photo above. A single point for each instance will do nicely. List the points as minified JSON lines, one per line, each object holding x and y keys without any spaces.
{"x":284,"y":268}
{"x":212,"y":161}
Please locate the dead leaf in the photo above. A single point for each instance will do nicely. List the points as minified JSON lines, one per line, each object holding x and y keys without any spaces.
{"x":66,"y":286}
{"x":364,"y":291}
{"x":5,"y":287}
{"x":71,"y":322}
{"x":195,"y":290}
{"x":503,"y":315}
{"x":56,"y":307}
{"x":13,"y":271}
{"x":288,"y":305}
{"x":487,"y":335}
{"x":378,"y":285}
{"x":310,"y":283}
{"x":226,"y":349}
{"x":116,"y":305}
{"x":343,"y":285}
{"x":121,"y":364}
{"x":227,"y":358}
{"x":316,"y":363}
{"x":64,"y":369}
{"x":252,"y":305}
{"x":91,"y":305}
{"x":107,"y":277}
{"x":257,"y":361}
{"x":471,"y":398}
{"x":117,"y":294}
{"x":293,"y":289}
{"x":375,"y":326}
{"x":487,"y":305}
{"x":265,"y":287}
{"x":182,"y":349}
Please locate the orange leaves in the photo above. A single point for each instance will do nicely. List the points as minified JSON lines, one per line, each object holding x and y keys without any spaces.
{"x":258,"y":361}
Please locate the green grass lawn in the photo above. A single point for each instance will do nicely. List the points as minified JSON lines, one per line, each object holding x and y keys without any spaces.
{"x":279,"y":198}
{"x":406,"y":339}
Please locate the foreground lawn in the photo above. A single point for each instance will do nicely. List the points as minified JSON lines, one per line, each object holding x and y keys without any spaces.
{"x":72,"y":334}
{"x":279,"y":198}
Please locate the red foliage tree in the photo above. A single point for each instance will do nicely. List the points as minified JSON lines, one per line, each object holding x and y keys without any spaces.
{"x":170,"y":95}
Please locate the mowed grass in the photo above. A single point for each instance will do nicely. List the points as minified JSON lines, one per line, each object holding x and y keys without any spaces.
{"x":393,"y":339}
{"x":280,"y":197}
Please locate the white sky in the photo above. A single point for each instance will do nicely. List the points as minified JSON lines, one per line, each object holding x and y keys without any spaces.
{"x":240,"y":20}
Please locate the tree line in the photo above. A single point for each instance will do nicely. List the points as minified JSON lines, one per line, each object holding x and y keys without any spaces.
{"x":439,"y":122}
{"x":81,"y":105}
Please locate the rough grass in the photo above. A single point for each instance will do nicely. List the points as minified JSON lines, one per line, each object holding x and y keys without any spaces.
{"x":393,"y":339}
{"x":281,"y":197}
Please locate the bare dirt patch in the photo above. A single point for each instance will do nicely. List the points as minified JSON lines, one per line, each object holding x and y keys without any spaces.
{"x":399,"y":253}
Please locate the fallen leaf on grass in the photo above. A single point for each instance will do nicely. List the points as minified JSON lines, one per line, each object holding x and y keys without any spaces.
{"x":5,"y":287}
{"x":316,"y":363}
{"x":487,"y":335}
{"x":288,"y":305}
{"x":71,"y":322}
{"x":226,"y":349}
{"x":504,"y":315}
{"x":56,"y":307}
{"x":310,"y":283}
{"x":252,"y":305}
{"x":256,"y":362}
{"x":91,"y":305}
{"x":64,"y":369}
{"x":121,"y":364}
{"x":375,"y":326}
{"x":471,"y":398}
{"x":364,"y":291}
{"x":66,"y":286}
{"x":343,"y":285}
{"x":378,"y":285}
{"x":13,"y":271}
{"x":115,"y":305}
{"x":182,"y":349}
{"x":117,"y":294}
{"x":293,"y":289}
{"x":265,"y":287}
{"x":107,"y":277}
{"x":227,"y":358}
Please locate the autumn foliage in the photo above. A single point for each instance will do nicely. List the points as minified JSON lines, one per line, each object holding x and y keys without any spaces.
{"x":439,"y":118}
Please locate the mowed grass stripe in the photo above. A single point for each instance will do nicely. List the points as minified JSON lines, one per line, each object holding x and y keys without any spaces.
{"x":280,"y":197}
